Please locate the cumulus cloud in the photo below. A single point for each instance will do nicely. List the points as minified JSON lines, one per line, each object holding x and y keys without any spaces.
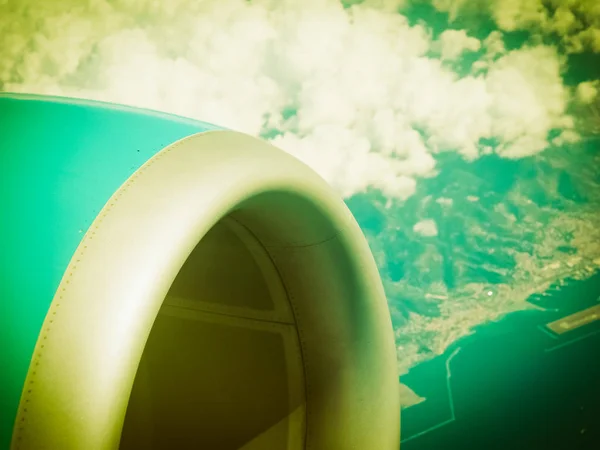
{"x":587,"y":106}
{"x":529,"y":100}
{"x":513,"y":15}
{"x":426,"y":228}
{"x":353,"y":90}
{"x":453,"y":43}
{"x":587,"y":91}
{"x":575,"y":22}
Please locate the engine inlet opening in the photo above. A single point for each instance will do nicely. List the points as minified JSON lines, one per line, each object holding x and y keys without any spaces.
{"x":221,"y":367}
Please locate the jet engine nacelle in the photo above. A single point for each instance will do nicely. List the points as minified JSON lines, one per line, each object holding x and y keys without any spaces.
{"x":168,"y":284}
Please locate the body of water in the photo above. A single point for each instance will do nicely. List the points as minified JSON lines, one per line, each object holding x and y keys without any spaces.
{"x":514,"y":384}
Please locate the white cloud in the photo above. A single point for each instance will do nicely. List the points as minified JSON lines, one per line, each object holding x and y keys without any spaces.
{"x":327,"y":145}
{"x":587,"y":92}
{"x":587,"y":95}
{"x":494,"y":45}
{"x":426,"y":227}
{"x":511,"y":15}
{"x":529,"y":99}
{"x":445,"y":201}
{"x":566,"y":137}
{"x":575,"y":22}
{"x":564,"y":21}
{"x":351,"y":91}
{"x":452,"y":7}
{"x":391,"y":6}
{"x":453,"y":43}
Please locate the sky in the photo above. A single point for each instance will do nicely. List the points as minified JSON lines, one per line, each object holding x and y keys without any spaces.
{"x":367,"y":93}
{"x":370,"y":94}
